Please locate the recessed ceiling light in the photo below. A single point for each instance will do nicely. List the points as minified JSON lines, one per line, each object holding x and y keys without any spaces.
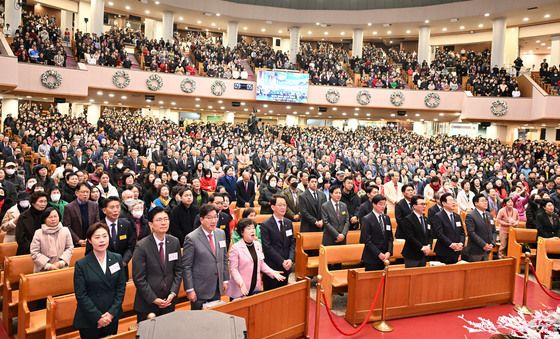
{"x":317,"y":24}
{"x":389,"y":32}
{"x":486,"y":14}
{"x":408,"y":31}
{"x":548,"y":47}
{"x":263,"y":30}
{"x":265,"y":106}
{"x":245,"y":28}
{"x":356,"y":114}
{"x":106,"y":102}
{"x":335,"y":109}
{"x":326,"y":33}
{"x":543,"y":44}
{"x":546,"y":16}
{"x":374,"y":32}
{"x":538,"y":41}
{"x":391,"y":41}
{"x":213,"y":24}
{"x":356,"y":109}
{"x":161,"y":102}
{"x":417,"y":114}
{"x":288,"y":107}
{"x":242,"y":104}
{"x":245,"y":109}
{"x":222,"y":107}
{"x":210,"y":107}
{"x":368,"y":114}
{"x":309,"y":32}
{"x":306,"y":113}
{"x":110,"y":3}
{"x":342,"y":33}
{"x":435,"y":119}
{"x":111,"y":95}
{"x":426,"y":21}
{"x":127,"y":8}
{"x":480,"y":25}
{"x":343,"y":113}
{"x":124,"y":97}
{"x":220,"y":101}
{"x":319,"y":113}
{"x":147,"y":11}
{"x":99,"y":93}
{"x":156,"y":2}
{"x":198,"y":22}
{"x":295,"y":112}
{"x":311,"y":107}
{"x":461,"y":27}
{"x":441,"y":114}
{"x":173,"y":103}
{"x":91,"y":100}
{"x":280,"y":31}
{"x":218,"y":14}
{"x":392,"y":114}
{"x":369,"y":24}
{"x":270,"y":111}
{"x":525,"y":19}
{"x":444,"y":29}
{"x":181,"y":18}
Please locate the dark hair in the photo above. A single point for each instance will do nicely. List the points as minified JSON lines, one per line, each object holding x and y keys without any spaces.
{"x":36,"y":195}
{"x":464,"y":183}
{"x":505,"y":201}
{"x":351,"y":178}
{"x":443,"y":198}
{"x":156,"y":210}
{"x":312,"y":176}
{"x":248,"y":211}
{"x":213,"y":197}
{"x":334,"y":188}
{"x":161,"y":187}
{"x":47,"y":212}
{"x":70,"y":174}
{"x":80,"y":185}
{"x":94,"y":227}
{"x":477,"y":197}
{"x":185,"y":189}
{"x":243,"y":224}
{"x":206,"y":209}
{"x":435,"y":179}
{"x":405,"y":186}
{"x":275,"y":198}
{"x":109,"y":199}
{"x":378,"y":198}
{"x":414,"y":199}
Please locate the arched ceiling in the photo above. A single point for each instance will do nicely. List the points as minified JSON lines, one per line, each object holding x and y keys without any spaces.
{"x":354,"y":5}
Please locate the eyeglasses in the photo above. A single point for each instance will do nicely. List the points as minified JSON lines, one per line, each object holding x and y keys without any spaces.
{"x":161,"y":219}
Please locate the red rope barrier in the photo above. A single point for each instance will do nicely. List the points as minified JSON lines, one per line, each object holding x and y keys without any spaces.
{"x":541,"y":285}
{"x":379,"y":288}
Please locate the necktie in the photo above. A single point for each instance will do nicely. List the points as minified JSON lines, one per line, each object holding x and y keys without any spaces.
{"x":280,"y":225}
{"x":107,"y":163}
{"x":315,"y":195}
{"x":161,"y":254}
{"x":423,"y":224}
{"x":295,"y":198}
{"x":337,"y":210}
{"x":485,"y":217}
{"x":382,"y":224}
{"x":114,"y":233}
{"x":452,"y":218}
{"x":246,"y":187}
{"x":211,"y":242}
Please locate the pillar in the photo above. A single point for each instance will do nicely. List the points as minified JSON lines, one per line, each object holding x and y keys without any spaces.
{"x":419,"y":127}
{"x":554,"y":50}
{"x":77,"y":110}
{"x":291,"y":120}
{"x":96,"y":16}
{"x":12,"y":15}
{"x":424,"y":45}
{"x":84,"y":10}
{"x":294,"y":44}
{"x":498,"y":42}
{"x":94,"y":113}
{"x":231,"y":41}
{"x":352,"y":124}
{"x":229,"y":117}
{"x":357,"y":42}
{"x":551,"y":134}
{"x":511,"y":50}
{"x":167,"y":20}
{"x":9,"y":106}
{"x":64,"y":108}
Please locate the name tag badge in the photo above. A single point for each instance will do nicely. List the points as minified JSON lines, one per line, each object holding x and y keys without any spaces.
{"x":458,"y":223}
{"x":491,"y":221}
{"x":387,"y":227}
{"x":222,"y":244}
{"x":114,"y":268}
{"x":429,"y":226}
{"x":122,"y":237}
{"x":173,"y":256}
{"x":289,"y":233}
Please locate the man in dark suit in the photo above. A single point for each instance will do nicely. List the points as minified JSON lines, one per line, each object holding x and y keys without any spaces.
{"x":367,"y":206}
{"x":193,"y":160}
{"x":336,"y":221}
{"x":80,"y":214}
{"x":133,"y":162}
{"x":79,"y":160}
{"x":205,"y":260}
{"x":121,"y":231}
{"x":448,"y":230}
{"x":245,"y":191}
{"x":106,"y":162}
{"x":291,"y":194}
{"x":377,"y":235}
{"x":418,"y":234}
{"x":183,"y":165}
{"x":351,"y":200}
{"x":403,"y":208}
{"x":278,"y":242}
{"x":156,"y":268}
{"x":481,"y":231}
{"x":309,"y":204}
{"x":432,"y":211}
{"x":224,"y":219}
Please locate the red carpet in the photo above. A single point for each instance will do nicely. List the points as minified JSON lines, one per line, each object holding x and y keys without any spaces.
{"x":443,"y":325}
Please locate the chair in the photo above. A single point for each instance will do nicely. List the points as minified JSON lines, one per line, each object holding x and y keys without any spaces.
{"x":545,"y":265}
{"x":517,"y":237}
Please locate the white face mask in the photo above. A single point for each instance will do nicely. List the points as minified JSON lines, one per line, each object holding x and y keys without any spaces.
{"x":119,"y":166}
{"x":137,"y":214}
{"x":272,"y":184}
{"x":10,"y":171}
{"x":24,"y":203}
{"x":55,"y":197}
{"x":175,"y":177}
{"x":128,"y":202}
{"x":30,"y":185}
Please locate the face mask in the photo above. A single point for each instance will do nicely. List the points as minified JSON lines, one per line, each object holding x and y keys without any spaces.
{"x":137,"y":214}
{"x":175,"y":177}
{"x":294,"y":184}
{"x":128,"y":202}
{"x":55,"y":197}
{"x":30,"y":185}
{"x":24,"y":203}
{"x":1,"y":197}
{"x":272,"y":184}
{"x":10,"y":171}
{"x":119,"y":166}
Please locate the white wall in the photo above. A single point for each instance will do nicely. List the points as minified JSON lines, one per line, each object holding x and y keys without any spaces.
{"x":467,"y":129}
{"x":530,"y":60}
{"x":154,"y":29}
{"x":84,"y":9}
{"x":94,"y":112}
{"x":291,"y":120}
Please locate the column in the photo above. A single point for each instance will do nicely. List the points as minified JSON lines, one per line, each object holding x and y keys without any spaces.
{"x":66,"y":20}
{"x":64,"y":108}
{"x":93,"y":114}
{"x":231,"y":41}
{"x":96,"y":16}
{"x":357,"y":42}
{"x":167,"y":26}
{"x":12,"y":15}
{"x":419,"y":127}
{"x":352,"y":124}
{"x":294,"y":44}
{"x":9,"y":106}
{"x":291,"y":120}
{"x":84,"y":10}
{"x":229,"y":117}
{"x":511,"y":50}
{"x":554,"y":50}
{"x":77,"y":110}
{"x":498,"y":42}
{"x":424,"y":45}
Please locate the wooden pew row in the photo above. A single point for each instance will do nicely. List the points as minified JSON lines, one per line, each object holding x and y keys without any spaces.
{"x":14,"y":267}
{"x":305,"y":241}
{"x":337,"y":280}
{"x":518,"y":236}
{"x":546,"y":266}
{"x":8,"y":249}
{"x":427,"y":290}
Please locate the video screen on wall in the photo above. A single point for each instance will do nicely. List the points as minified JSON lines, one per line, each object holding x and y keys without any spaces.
{"x":282,"y":86}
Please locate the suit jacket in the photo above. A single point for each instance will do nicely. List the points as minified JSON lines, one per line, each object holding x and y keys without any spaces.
{"x":292,"y":205}
{"x":416,"y":235}
{"x":545,"y":228}
{"x":126,"y":239}
{"x":447,"y":233}
{"x":243,"y":195}
{"x":310,"y":210}
{"x":98,"y":292}
{"x":73,"y":219}
{"x":391,"y":193}
{"x":432,"y":211}
{"x":135,"y":166}
{"x":479,"y":233}
{"x":278,"y":245}
{"x":241,"y":267}
{"x":376,"y":241}
{"x":202,"y":268}
{"x":333,"y":224}
{"x":80,"y":165}
{"x":150,"y":278}
{"x":402,"y":210}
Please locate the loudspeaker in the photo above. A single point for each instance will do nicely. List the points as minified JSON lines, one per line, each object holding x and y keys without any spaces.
{"x":543,"y":134}
{"x":134,"y":18}
{"x":277,"y":42}
{"x":401,"y":113}
{"x":322,"y":109}
{"x":236,"y":103}
{"x":198,"y":324}
{"x":59,"y":100}
{"x":105,"y":19}
{"x":150,"y":97}
{"x":485,"y":124}
{"x":557,"y":134}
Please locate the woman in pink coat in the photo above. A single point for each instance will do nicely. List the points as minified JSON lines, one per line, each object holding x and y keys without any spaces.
{"x":246,"y":262}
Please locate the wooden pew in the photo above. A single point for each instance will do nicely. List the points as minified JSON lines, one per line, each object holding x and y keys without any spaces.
{"x":545,"y":265}
{"x":306,"y":265}
{"x":518,"y":236}
{"x":38,"y":286}
{"x":411,"y":291}
{"x":8,"y":249}
{"x":261,"y":218}
{"x":297,"y":226}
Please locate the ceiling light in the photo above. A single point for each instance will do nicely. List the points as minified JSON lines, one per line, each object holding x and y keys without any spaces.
{"x":147,"y":11}
{"x":242,"y":104}
{"x":368,"y":114}
{"x":444,"y":29}
{"x":181,"y":18}
{"x":295,"y":112}
{"x":374,"y":33}
{"x":245,"y":109}
{"x":124,"y":97}
{"x":213,"y":24}
{"x":326,"y":33}
{"x":311,"y":107}
{"x":106,"y":102}
{"x":218,"y":14}
{"x":319,"y":113}
{"x":480,"y":25}
{"x":435,"y":119}
{"x":306,"y":113}
{"x":210,"y":107}
{"x":408,"y":31}
{"x":392,"y":114}
{"x":156,"y":2}
{"x":99,"y":93}
{"x":546,"y":16}
{"x":441,"y":114}
{"x":268,"y":22}
{"x":222,"y":107}
{"x":110,"y":3}
{"x":198,"y":22}
{"x":543,"y":44}
{"x":270,"y":111}
{"x":417,"y":114}
{"x":197,"y":105}
{"x":525,"y":19}
{"x":245,"y":28}
{"x":263,"y":30}
{"x":317,"y":24}
{"x":461,"y":27}
{"x":288,"y":107}
{"x":280,"y":31}
{"x":548,"y":47}
{"x":389,"y":32}
{"x":426,"y":21}
{"x":369,"y":23}
{"x":265,"y":106}
{"x":309,"y":32}
{"x":538,"y":41}
{"x":335,"y":109}
{"x":342,"y":33}
{"x":111,"y":95}
{"x":391,"y":41}
{"x":91,"y":100}
{"x":220,"y":101}
{"x":173,"y":103}
{"x":356,"y":114}
{"x":343,"y":113}
{"x":127,"y":8}
{"x":160,"y":102}
{"x":486,"y":14}
{"x":356,"y":109}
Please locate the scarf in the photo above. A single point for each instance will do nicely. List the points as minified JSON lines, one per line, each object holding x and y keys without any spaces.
{"x":50,"y":248}
{"x":435,"y":186}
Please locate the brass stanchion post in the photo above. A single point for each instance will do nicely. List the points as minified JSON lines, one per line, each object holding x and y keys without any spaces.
{"x":319,"y":295}
{"x":383,"y":326}
{"x":523,"y":309}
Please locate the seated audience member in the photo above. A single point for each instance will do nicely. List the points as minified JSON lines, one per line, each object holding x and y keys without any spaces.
{"x":548,"y":223}
{"x":51,"y":247}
